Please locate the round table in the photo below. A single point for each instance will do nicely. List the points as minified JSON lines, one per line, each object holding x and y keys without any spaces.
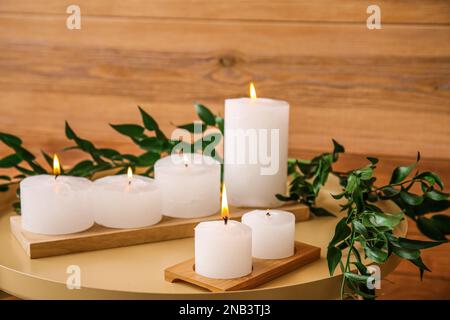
{"x":137,"y":272}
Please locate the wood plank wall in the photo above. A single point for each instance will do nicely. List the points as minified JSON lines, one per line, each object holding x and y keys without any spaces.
{"x":384,"y":92}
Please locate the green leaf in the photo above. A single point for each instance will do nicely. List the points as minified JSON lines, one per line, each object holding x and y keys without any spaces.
{"x":220,"y":123}
{"x":82,"y":169}
{"x":437,"y":195}
{"x":365,"y":173}
{"x":321,"y":212}
{"x":10,"y":161}
{"x":334,"y":256}
{"x":10,"y":140}
{"x":373,"y":160}
{"x":390,"y":191}
{"x":411,"y":198}
{"x":130,"y":130}
{"x":352,"y":183}
{"x":442,"y":221}
{"x":405,"y":253}
{"x":4,"y":187}
{"x":412,"y":244}
{"x":376,"y":254}
{"x":109,"y":153}
{"x":70,"y":134}
{"x":148,"y":159}
{"x":148,"y":121}
{"x":338,"y":148}
{"x":151,"y":144}
{"x":400,"y":173}
{"x":430,"y":228}
{"x":3,"y":177}
{"x":356,"y":277}
{"x":419,"y":263}
{"x":47,"y":158}
{"x":360,"y":228}
{"x":381,"y":219}
{"x":196,"y":127}
{"x":341,"y":232}
{"x":432,"y":178}
{"x":205,"y":114}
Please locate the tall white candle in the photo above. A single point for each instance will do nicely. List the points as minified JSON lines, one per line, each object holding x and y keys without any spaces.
{"x":256,"y":150}
{"x":53,"y":205}
{"x":223,"y":249}
{"x":190,"y":185}
{"x":273,"y":233}
{"x":126,"y":201}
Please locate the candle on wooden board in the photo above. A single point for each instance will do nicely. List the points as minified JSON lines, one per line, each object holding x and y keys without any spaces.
{"x":55,"y":204}
{"x":223,"y":249}
{"x":126,"y":201}
{"x":256,"y":150}
{"x":190,"y":185}
{"x":273,"y":233}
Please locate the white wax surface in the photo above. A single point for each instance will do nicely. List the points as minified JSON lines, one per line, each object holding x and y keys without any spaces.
{"x":273,"y":235}
{"x":55,"y":206}
{"x":117,"y":204}
{"x":190,"y":191}
{"x":223,"y":251}
{"x":246,"y":186}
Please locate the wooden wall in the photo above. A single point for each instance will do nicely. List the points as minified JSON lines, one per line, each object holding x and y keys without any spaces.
{"x":384,"y":92}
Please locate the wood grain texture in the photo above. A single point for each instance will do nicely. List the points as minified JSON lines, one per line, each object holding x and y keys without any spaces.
{"x":263,"y":271}
{"x":100,"y":237}
{"x":399,"y":11}
{"x":335,"y":77}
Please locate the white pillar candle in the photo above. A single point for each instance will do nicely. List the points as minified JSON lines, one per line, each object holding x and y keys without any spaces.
{"x":223,"y":249}
{"x":190,"y":185}
{"x":126,"y":201}
{"x":256,"y":150}
{"x":52,"y":204}
{"x":273,"y":233}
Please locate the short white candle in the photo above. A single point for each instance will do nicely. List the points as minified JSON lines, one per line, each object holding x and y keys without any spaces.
{"x":190,"y":185}
{"x":250,"y":152}
{"x":126,"y":201}
{"x":273,"y":233}
{"x":54,"y":205}
{"x":223,"y":249}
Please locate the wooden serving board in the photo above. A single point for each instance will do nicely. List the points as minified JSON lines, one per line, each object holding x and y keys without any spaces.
{"x":99,"y":237}
{"x":264,"y":270}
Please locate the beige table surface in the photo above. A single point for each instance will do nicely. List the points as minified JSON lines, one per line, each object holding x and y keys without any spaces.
{"x":137,"y":272}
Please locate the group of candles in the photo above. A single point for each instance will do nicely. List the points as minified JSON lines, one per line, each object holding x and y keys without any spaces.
{"x":185,"y":186}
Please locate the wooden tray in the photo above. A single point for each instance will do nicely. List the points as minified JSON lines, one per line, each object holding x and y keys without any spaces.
{"x":264,"y":270}
{"x":99,"y":237}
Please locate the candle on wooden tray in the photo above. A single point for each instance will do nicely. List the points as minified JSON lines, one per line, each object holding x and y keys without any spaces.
{"x":273,"y":233}
{"x":256,"y":150}
{"x":126,"y":201}
{"x":55,"y":204}
{"x":223,"y":249}
{"x":190,"y":185}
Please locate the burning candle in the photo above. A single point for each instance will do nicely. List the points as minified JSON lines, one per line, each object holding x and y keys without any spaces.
{"x":126,"y":201}
{"x":223,"y":249}
{"x":190,"y":185}
{"x":256,"y":150}
{"x":55,"y":204}
{"x":273,"y":233}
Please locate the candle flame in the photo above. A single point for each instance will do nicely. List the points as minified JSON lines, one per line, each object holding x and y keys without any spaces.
{"x":56,"y":165}
{"x":252,"y":91}
{"x":129,"y":174}
{"x":224,"y":212}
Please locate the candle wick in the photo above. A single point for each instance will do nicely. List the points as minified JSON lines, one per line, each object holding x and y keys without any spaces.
{"x":268,"y":213}
{"x":56,"y":176}
{"x":185,"y":164}
{"x":225,"y":220}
